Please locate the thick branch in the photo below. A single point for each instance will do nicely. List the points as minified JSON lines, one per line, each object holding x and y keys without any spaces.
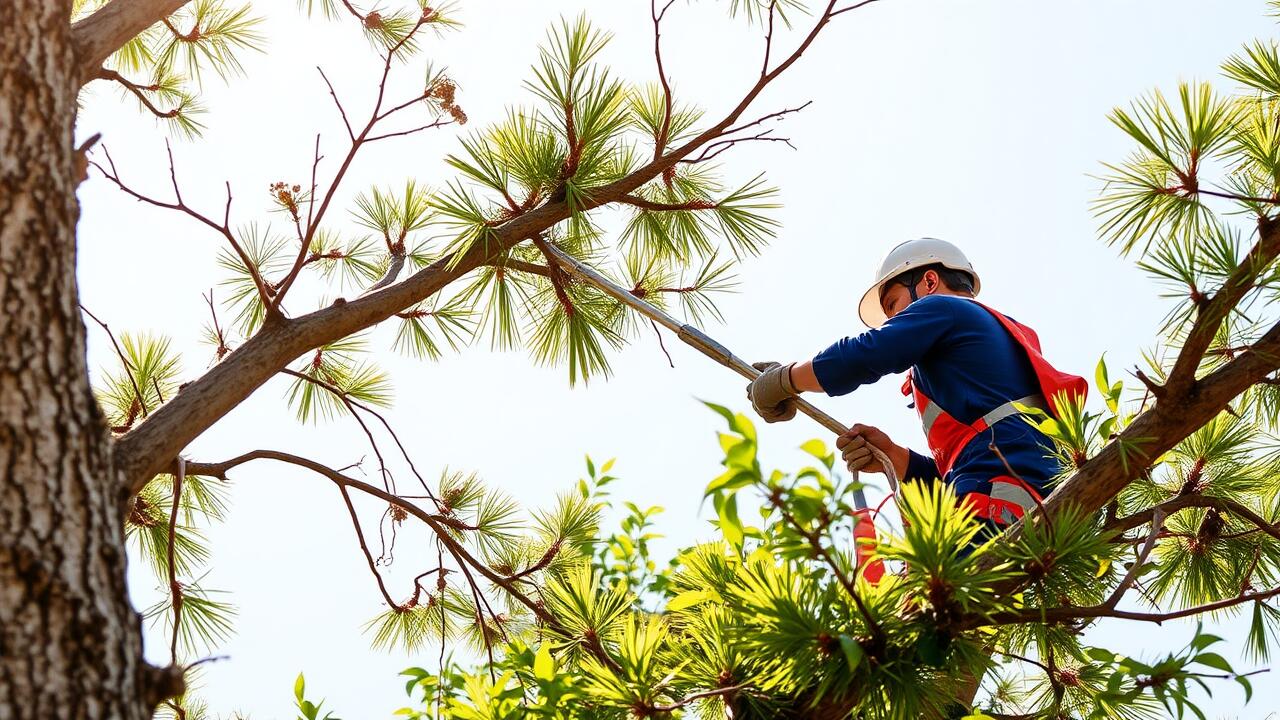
{"x":1211,"y":314}
{"x":152,"y":445}
{"x":107,"y":30}
{"x":1157,"y":430}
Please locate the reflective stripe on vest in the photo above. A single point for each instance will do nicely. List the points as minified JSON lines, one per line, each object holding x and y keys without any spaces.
{"x":1007,"y":502}
{"x":1009,"y":409}
{"x":946,"y":436}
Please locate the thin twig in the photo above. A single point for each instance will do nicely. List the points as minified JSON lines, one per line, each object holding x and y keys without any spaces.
{"x":222,"y":349}
{"x":723,"y":145}
{"x":401,"y":133}
{"x":337,"y":392}
{"x":852,"y":7}
{"x":139,"y":92}
{"x":175,"y":590}
{"x":357,"y":141}
{"x":1025,"y":485}
{"x":128,"y":366}
{"x":364,"y":547}
{"x":338,"y":102}
{"x":697,"y":696}
{"x":768,"y":39}
{"x":311,"y":195}
{"x":223,"y":229}
{"x":1157,"y":523}
{"x":455,"y":548}
{"x":664,"y":131}
{"x":1068,"y":613}
{"x":660,"y":344}
{"x":353,"y":405}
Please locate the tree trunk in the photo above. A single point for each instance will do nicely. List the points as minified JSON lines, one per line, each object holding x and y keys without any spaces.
{"x":70,"y":643}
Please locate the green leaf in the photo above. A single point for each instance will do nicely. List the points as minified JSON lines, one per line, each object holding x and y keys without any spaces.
{"x":731,"y":479}
{"x":688,"y":599}
{"x":730,"y":525}
{"x":1101,"y":655}
{"x":544,"y":666}
{"x":853,"y":652}
{"x":1248,"y":687}
{"x":1213,"y":660}
{"x":816,"y":448}
{"x":1204,"y":640}
{"x":720,"y":410}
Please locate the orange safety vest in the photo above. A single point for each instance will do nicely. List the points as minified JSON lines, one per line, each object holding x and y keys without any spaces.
{"x":1010,"y":497}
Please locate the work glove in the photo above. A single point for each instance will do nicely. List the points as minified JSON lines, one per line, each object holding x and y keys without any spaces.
{"x":855,"y":447}
{"x":772,"y":394}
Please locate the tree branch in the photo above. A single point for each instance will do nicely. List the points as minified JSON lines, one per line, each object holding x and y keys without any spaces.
{"x":432,"y":521}
{"x":96,"y":37}
{"x":138,"y":92}
{"x":1064,"y":614}
{"x":1155,"y":432}
{"x":1157,"y":523}
{"x":1211,"y":314}
{"x":522,"y":266}
{"x":643,"y":204}
{"x":1180,"y":502}
{"x":152,"y":445}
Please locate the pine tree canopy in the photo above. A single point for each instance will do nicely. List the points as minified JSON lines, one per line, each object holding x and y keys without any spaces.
{"x":1168,"y":505}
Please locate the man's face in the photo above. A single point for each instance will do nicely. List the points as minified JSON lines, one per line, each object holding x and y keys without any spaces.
{"x":894,"y":299}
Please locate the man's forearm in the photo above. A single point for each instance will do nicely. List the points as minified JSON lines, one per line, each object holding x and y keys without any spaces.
{"x":804,"y":379}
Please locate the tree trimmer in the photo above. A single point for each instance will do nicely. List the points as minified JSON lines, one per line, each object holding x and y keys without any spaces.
{"x":864,"y":529}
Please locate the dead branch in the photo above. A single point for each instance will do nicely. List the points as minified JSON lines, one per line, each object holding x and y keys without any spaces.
{"x":223,"y":229}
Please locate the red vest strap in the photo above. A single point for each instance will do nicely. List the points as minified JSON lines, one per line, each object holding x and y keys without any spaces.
{"x":1054,"y":383}
{"x":947,"y":436}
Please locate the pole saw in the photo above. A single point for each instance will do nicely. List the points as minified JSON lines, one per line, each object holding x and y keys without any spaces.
{"x":706,"y":345}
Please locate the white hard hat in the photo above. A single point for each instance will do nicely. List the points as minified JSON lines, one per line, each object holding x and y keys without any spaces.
{"x":908,"y":256}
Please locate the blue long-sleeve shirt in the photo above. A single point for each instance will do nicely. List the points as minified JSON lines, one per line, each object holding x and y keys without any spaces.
{"x":967,"y":363}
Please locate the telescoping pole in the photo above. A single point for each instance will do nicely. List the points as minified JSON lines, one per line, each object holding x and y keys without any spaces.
{"x":705,"y":344}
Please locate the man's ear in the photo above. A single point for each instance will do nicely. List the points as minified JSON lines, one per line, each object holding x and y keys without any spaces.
{"x":932,"y":282}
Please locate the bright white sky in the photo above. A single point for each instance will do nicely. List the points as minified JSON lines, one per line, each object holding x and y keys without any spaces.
{"x":979,"y":121}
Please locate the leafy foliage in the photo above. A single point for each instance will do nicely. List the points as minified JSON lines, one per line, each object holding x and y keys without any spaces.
{"x":778,"y":620}
{"x":775,"y":617}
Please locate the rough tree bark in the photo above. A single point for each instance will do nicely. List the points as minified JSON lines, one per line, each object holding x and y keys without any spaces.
{"x":70,"y":643}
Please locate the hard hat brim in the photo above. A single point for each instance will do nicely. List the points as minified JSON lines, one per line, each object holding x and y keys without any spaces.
{"x":869,"y":310}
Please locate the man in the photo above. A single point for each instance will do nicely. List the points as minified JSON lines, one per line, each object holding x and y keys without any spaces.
{"x":968,"y":366}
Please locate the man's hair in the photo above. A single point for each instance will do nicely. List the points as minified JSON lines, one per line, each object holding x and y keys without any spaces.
{"x":955,"y":280}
